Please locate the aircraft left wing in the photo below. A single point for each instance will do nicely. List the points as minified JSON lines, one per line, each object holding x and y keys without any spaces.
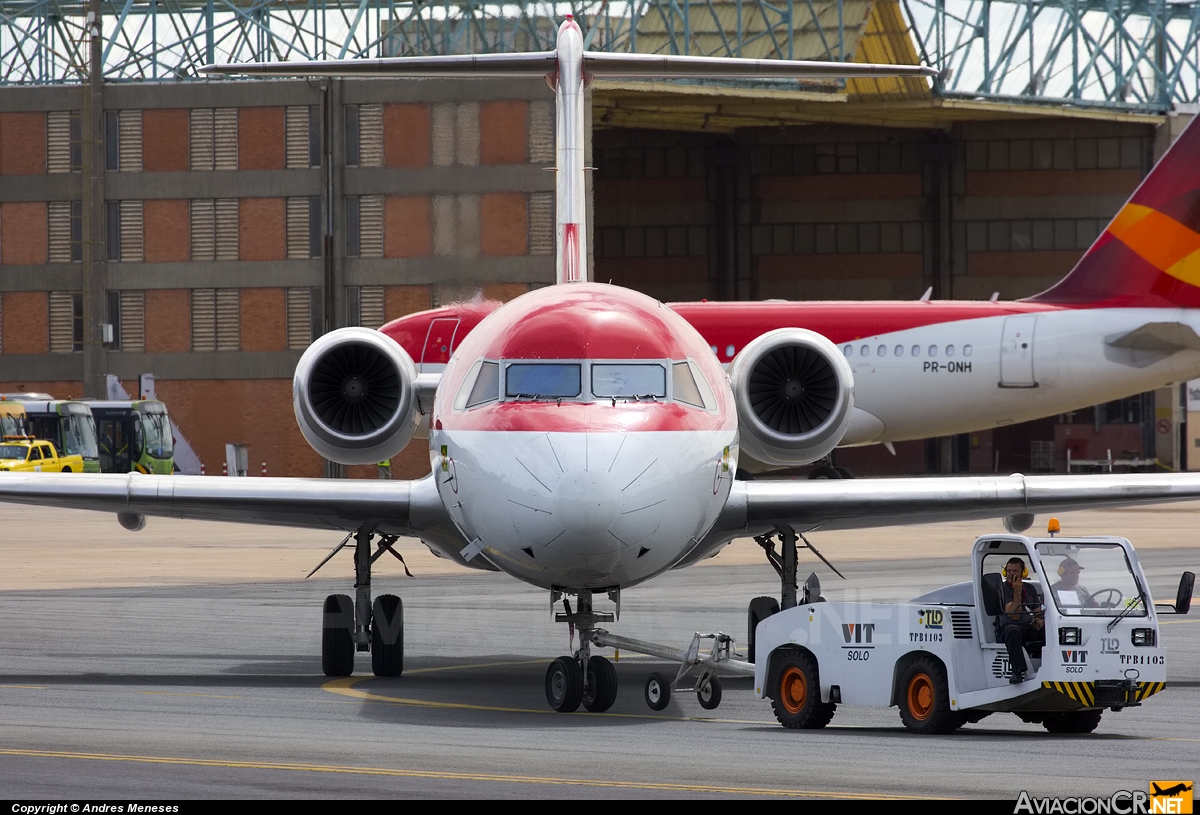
{"x":758,"y":507}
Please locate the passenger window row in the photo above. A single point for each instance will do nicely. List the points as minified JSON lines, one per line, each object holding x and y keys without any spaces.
{"x":867,"y":350}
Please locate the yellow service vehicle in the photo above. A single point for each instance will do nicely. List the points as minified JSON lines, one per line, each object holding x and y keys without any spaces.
{"x":26,"y":455}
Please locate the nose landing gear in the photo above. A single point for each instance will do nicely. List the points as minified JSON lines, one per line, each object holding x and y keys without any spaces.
{"x":568,"y":683}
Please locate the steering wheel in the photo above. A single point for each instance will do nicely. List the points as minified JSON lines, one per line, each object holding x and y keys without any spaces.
{"x":1115,"y":596}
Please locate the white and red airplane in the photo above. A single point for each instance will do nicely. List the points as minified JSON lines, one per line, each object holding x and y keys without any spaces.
{"x":1124,"y":321}
{"x":583,"y":438}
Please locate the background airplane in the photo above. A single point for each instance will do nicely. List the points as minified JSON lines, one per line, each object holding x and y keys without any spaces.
{"x":1122,"y":322}
{"x":583,"y":438}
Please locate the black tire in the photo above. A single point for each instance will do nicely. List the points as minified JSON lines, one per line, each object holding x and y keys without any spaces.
{"x":824,"y":472}
{"x":564,"y":685}
{"x":1077,"y":721}
{"x":66,"y":469}
{"x":924,"y":698}
{"x":709,"y":694}
{"x":843,"y":472}
{"x":657,"y":692}
{"x":337,"y":637}
{"x":387,"y":636}
{"x":760,"y":609}
{"x":601,"y":690}
{"x":796,"y":694}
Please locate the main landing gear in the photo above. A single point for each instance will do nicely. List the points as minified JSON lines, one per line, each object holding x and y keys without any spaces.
{"x":568,"y":684}
{"x":360,"y":624}
{"x":784,"y":563}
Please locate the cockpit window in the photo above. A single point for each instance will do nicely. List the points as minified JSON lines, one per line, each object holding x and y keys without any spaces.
{"x":629,"y":381}
{"x":544,"y":380}
{"x":683,"y":385}
{"x":487,"y":385}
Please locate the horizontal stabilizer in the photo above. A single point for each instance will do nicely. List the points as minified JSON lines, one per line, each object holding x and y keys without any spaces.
{"x":537,"y":63}
{"x":597,"y":63}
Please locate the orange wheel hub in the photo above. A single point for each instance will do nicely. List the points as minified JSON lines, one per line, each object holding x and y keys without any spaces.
{"x":920,"y":697}
{"x":793,"y":690}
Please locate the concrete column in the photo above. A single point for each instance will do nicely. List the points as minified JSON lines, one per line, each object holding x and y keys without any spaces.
{"x":95,"y":361}
{"x":1168,"y":416}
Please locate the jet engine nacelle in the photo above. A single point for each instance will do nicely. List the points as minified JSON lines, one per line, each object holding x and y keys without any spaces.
{"x":794,"y":392}
{"x":354,"y":396}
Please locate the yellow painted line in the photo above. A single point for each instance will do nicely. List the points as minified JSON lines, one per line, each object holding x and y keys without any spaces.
{"x":203,"y":695}
{"x":23,"y":687}
{"x":449,"y":776}
{"x":1179,"y":622}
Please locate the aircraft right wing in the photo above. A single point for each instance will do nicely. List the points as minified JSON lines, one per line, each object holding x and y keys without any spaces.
{"x":759,"y":507}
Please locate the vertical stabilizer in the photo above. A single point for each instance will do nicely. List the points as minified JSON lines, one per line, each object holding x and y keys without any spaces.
{"x":1150,"y":254}
{"x":570,"y":185}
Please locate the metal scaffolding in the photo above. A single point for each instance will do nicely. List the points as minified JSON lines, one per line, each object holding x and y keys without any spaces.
{"x":1141,"y":55}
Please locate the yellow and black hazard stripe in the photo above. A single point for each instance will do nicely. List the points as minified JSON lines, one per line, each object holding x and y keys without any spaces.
{"x":1082,"y":692}
{"x":1147,"y":689}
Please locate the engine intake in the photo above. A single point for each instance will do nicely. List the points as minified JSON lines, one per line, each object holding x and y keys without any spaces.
{"x":794,"y":392}
{"x":354,"y":396}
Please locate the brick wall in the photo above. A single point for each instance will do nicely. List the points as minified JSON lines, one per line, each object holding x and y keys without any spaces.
{"x":407,"y":231}
{"x":23,"y":232}
{"x":264,"y":320}
{"x":406,"y":135}
{"x":165,"y":141}
{"x":59,"y":390}
{"x":504,"y":223}
{"x":254,"y":412}
{"x":26,"y":323}
{"x":168,"y":320}
{"x":262,"y":229}
{"x":401,"y":300}
{"x":503,"y":132}
{"x":260,"y":139}
{"x":166,"y":230}
{"x":22,"y":143}
{"x":504,"y":292}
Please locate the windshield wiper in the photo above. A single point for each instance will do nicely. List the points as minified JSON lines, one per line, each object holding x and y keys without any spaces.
{"x":1127,"y":610}
{"x":532,"y":397}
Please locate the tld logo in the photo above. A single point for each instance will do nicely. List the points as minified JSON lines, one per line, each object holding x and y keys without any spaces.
{"x":930,"y":617}
{"x":1110,"y":645}
{"x":858,"y":632}
{"x":1074,"y":657}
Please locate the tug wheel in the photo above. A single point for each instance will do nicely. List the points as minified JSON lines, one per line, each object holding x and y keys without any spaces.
{"x":797,"y":694}
{"x":925,"y":698}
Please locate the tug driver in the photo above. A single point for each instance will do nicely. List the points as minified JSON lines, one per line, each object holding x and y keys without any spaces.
{"x":1022,"y":618}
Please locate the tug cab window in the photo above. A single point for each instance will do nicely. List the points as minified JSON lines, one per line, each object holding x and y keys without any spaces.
{"x":629,"y":381}
{"x":543,"y":380}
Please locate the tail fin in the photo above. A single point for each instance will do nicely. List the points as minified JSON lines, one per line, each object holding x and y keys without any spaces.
{"x":1150,"y":254}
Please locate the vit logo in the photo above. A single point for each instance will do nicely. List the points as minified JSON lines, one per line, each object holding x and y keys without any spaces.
{"x":930,"y":617}
{"x":858,"y":632}
{"x":1110,"y":645}
{"x":1074,"y":657}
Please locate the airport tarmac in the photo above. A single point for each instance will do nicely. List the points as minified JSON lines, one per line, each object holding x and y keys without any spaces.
{"x":184,"y":662}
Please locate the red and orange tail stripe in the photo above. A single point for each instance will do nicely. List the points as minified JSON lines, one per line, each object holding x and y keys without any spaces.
{"x":1160,"y":240}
